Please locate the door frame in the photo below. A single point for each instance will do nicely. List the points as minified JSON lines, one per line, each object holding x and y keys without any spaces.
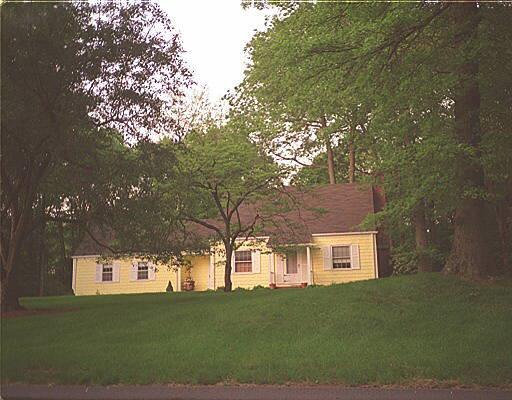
{"x":283,"y":265}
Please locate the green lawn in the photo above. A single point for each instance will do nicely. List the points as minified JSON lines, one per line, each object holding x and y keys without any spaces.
{"x":401,"y":330}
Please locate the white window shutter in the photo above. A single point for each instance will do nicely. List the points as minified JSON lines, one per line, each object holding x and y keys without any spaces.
{"x":99,"y":273}
{"x":151,"y":272}
{"x":133,"y":272}
{"x":354,"y":256}
{"x":327,"y":257}
{"x":115,"y":272}
{"x":256,"y":261}
{"x":233,"y":262}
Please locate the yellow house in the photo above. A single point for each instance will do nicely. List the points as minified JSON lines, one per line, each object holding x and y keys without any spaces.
{"x":326,"y":247}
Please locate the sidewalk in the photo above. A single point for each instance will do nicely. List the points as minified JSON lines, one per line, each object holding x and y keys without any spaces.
{"x":244,"y":392}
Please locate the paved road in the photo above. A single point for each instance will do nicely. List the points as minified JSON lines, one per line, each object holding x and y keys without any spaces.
{"x":244,"y":392}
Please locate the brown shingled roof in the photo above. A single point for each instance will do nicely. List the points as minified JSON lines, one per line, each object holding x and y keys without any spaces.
{"x":328,"y":209}
{"x":89,"y":246}
{"x":323,"y":209}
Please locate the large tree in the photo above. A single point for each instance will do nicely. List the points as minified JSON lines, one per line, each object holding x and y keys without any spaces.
{"x":230,"y":183}
{"x":70,"y":69}
{"x":437,"y":78}
{"x":292,"y":97}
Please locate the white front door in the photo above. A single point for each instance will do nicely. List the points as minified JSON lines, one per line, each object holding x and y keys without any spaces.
{"x":291,"y":268}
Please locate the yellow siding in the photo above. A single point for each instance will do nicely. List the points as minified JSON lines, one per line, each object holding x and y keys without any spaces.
{"x":198,"y":272}
{"x":86,"y":269}
{"x":86,"y":279}
{"x":366,"y":257}
{"x":243,"y":280}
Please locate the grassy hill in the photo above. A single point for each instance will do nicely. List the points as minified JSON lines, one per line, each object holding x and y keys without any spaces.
{"x":404,"y":330}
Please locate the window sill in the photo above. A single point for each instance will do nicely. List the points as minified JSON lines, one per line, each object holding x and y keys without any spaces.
{"x":244,"y":273}
{"x":345,"y":269}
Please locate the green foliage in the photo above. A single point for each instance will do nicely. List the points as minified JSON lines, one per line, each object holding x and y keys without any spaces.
{"x":225,"y":171}
{"x":291,"y":100}
{"x":316,"y":173}
{"x":78,"y":79}
{"x":226,"y":182}
{"x":392,"y":71}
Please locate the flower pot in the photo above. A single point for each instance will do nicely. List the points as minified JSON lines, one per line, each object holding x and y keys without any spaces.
{"x":188,"y":285}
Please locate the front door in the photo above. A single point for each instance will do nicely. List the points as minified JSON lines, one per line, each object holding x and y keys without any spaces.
{"x":291,"y":268}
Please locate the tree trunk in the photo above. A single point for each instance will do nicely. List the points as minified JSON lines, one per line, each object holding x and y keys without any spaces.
{"x":10,"y":255}
{"x":10,"y":295}
{"x":228,"y":285}
{"x":503,"y":220}
{"x":3,"y":295}
{"x":469,"y":255}
{"x":330,"y":154}
{"x":351,"y":162}
{"x":421,"y":237}
{"x":42,"y":260}
{"x":330,"y":162}
{"x":62,"y":247}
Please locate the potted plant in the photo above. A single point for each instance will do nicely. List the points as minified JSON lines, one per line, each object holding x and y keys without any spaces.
{"x":188,"y":284}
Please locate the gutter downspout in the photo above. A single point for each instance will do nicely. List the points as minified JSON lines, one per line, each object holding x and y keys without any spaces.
{"x":375,"y":257}
{"x":73,"y":278}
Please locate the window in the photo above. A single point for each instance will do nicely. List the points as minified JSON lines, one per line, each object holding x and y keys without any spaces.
{"x":341,"y":257}
{"x":142,"y":271}
{"x":107,"y":273}
{"x":291,"y":263}
{"x":243,"y":261}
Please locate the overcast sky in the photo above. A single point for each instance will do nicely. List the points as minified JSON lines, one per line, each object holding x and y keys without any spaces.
{"x":214,"y":34}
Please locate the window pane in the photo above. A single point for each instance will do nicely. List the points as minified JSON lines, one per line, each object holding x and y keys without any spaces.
{"x":142,"y":271}
{"x":243,"y":255}
{"x":291,"y":264}
{"x":341,"y":263}
{"x":341,"y":252}
{"x":243,"y":266}
{"x":243,"y":261}
{"x":107,"y":275}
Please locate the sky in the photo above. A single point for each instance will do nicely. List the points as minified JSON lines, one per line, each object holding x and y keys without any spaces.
{"x":214,"y":34}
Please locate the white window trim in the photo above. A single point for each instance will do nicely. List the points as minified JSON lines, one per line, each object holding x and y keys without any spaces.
{"x":344,"y":269}
{"x":349,"y":256}
{"x":134,"y":277}
{"x":147,"y":265}
{"x":102,"y":282}
{"x":233,"y":267}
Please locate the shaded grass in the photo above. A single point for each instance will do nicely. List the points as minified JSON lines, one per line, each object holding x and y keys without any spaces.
{"x":390,"y":331}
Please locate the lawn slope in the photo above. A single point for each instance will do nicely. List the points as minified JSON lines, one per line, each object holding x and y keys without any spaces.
{"x":391,"y":331}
